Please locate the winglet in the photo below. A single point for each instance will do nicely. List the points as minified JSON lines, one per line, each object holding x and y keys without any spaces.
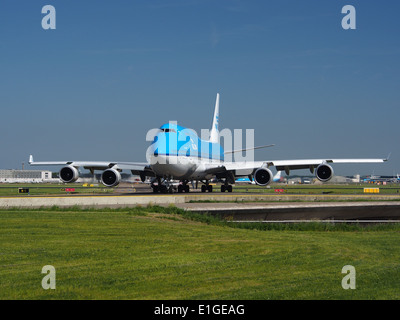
{"x":30,"y":159}
{"x":214,"y":134}
{"x":387,"y":158}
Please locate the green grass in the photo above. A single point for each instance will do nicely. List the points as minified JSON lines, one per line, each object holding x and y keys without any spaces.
{"x":165,"y":253}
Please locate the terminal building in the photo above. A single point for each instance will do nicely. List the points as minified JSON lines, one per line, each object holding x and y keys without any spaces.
{"x":26,"y":176}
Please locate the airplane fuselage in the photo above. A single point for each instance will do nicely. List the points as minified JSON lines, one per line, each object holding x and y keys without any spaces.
{"x":178,"y":153}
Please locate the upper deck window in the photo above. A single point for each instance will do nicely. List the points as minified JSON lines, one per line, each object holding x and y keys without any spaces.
{"x":168,"y":130}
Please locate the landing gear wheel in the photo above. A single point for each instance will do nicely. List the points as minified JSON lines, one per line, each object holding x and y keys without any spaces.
{"x":186,"y":188}
{"x":155,"y":189}
{"x":181,"y":188}
{"x":226,"y":188}
{"x":203,"y":188}
{"x":209,"y":188}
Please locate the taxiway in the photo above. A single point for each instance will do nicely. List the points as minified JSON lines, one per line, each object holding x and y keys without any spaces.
{"x":234,"y":206}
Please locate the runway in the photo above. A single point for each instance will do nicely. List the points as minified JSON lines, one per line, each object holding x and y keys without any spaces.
{"x":237,"y":207}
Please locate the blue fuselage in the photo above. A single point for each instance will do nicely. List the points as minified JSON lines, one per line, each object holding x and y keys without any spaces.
{"x":178,"y":153}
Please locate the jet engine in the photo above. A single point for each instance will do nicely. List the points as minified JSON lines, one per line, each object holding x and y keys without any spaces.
{"x":69,"y":174}
{"x":324,"y":172}
{"x":110,"y":177}
{"x":263,"y":176}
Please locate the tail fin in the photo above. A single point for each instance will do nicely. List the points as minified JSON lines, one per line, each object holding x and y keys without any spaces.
{"x":214,"y":134}
{"x":277,"y":177}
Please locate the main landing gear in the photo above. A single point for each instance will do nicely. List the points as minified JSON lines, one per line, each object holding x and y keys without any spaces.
{"x":167,"y":186}
{"x":183,"y":188}
{"x":164,"y":186}
{"x":226,"y":187}
{"x":207,"y":187}
{"x":162,"y":189}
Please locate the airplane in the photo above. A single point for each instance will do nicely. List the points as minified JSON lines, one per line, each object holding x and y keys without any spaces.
{"x":191,"y":159}
{"x":276,"y":178}
{"x":381,"y":179}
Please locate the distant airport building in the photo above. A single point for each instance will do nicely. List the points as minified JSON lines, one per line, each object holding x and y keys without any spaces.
{"x":25,"y":176}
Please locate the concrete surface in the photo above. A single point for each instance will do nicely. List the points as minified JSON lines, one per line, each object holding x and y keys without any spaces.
{"x":233,"y":208}
{"x":299,"y":211}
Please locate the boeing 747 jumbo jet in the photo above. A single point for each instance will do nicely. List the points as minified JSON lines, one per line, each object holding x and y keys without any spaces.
{"x":178,"y":154}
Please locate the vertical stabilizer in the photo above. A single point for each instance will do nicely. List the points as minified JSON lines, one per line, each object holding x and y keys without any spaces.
{"x":277,"y":177}
{"x":214,"y":134}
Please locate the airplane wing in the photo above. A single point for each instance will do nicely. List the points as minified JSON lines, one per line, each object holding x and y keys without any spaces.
{"x":237,"y":169}
{"x":287,"y":165}
{"x":137,"y":168}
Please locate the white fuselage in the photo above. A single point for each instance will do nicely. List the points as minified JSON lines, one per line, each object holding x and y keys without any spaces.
{"x":181,"y":167}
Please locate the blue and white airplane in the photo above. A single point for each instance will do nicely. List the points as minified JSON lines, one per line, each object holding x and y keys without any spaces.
{"x":380,"y":179}
{"x":178,"y":154}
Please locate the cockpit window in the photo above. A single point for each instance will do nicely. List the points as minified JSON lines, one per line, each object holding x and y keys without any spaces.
{"x":168,"y":130}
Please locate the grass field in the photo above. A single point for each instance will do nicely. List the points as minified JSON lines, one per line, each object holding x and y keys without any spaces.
{"x":164,"y":253}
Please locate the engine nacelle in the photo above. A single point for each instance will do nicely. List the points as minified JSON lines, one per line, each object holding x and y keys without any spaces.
{"x":69,"y":174}
{"x":263,"y":176}
{"x":110,"y":177}
{"x":324,"y":172}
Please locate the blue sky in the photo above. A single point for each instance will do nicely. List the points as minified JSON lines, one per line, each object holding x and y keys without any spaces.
{"x":112,"y":70}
